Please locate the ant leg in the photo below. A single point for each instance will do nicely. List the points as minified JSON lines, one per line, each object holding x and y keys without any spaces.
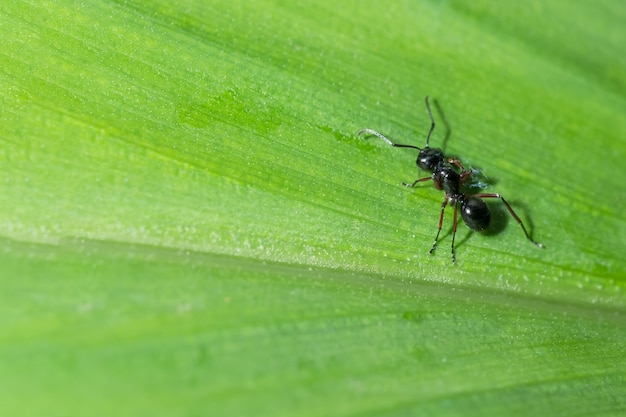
{"x":457,"y":162}
{"x":443,"y":207}
{"x":384,"y":138}
{"x":464,"y":175}
{"x":456,"y":208}
{"x":519,"y":221}
{"x":412,"y":184}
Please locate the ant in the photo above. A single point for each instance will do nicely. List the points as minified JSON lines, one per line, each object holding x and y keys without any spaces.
{"x":448,"y":175}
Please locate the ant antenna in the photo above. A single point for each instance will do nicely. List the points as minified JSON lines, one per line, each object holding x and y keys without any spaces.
{"x":432,"y":121}
{"x":398,"y":145}
{"x":383,"y":137}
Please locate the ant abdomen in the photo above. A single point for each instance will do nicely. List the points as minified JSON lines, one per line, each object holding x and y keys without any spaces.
{"x":475,"y":213}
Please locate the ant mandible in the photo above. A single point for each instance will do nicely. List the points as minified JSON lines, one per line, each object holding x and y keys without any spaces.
{"x":474,"y":210}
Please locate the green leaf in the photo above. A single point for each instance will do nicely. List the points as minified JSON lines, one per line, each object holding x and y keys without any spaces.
{"x":190,"y":225}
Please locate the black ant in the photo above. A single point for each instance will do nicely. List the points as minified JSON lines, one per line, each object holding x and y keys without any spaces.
{"x":474,"y":210}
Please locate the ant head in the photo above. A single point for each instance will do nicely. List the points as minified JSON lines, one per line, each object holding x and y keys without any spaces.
{"x":430,"y":158}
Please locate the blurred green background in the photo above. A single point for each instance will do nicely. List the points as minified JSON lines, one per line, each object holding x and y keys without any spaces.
{"x":190,"y":225}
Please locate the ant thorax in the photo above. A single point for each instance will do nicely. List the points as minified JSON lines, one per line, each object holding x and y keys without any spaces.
{"x":447,"y":179}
